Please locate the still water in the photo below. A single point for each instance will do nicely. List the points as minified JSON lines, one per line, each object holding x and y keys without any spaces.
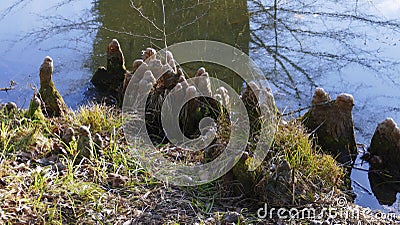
{"x":299,"y":45}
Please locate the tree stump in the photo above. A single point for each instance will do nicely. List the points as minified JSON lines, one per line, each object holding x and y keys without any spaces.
{"x":251,"y":102}
{"x":332,"y":122}
{"x":383,"y":156}
{"x":157,"y":75}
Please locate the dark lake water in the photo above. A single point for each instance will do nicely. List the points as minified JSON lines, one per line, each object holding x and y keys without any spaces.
{"x":352,"y":47}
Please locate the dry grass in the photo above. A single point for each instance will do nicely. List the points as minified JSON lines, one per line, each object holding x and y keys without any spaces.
{"x":40,"y":182}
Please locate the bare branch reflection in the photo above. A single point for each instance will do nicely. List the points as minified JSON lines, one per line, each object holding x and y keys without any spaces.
{"x":317,"y":37}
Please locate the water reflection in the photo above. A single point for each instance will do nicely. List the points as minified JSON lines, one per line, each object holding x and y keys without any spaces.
{"x":384,"y":187}
{"x":32,"y":29}
{"x":142,"y":25}
{"x":348,"y":48}
{"x":302,"y":41}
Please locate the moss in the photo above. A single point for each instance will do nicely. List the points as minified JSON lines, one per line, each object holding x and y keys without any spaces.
{"x":35,"y":109}
{"x":54,"y":105}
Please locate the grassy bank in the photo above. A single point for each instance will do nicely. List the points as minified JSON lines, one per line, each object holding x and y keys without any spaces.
{"x":42,"y":180}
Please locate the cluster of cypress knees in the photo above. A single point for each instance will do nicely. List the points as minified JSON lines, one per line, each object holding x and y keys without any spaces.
{"x":330,"y":120}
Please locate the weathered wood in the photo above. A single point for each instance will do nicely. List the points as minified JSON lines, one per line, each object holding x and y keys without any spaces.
{"x":332,"y":122}
{"x":259,"y":102}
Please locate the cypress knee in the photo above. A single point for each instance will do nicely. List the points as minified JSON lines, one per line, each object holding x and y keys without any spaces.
{"x":383,"y":154}
{"x":53,"y":104}
{"x":111,"y":78}
{"x":332,"y":122}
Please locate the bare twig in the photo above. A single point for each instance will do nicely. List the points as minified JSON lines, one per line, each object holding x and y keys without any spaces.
{"x":132,"y":34}
{"x":276,"y":34}
{"x":307,"y":107}
{"x":295,"y":53}
{"x":164,"y":33}
{"x":8,"y":10}
{"x":145,"y":17}
{"x":11,"y":87}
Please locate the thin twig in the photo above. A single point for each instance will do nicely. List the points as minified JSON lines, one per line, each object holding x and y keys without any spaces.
{"x":164,"y":33}
{"x":6,"y":89}
{"x":145,"y":17}
{"x":11,"y":87}
{"x":276,"y":35}
{"x":308,"y":107}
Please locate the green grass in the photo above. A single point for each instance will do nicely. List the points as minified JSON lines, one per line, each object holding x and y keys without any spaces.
{"x":293,"y":141}
{"x":47,"y":196}
{"x":86,"y":194}
{"x":100,"y":118}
